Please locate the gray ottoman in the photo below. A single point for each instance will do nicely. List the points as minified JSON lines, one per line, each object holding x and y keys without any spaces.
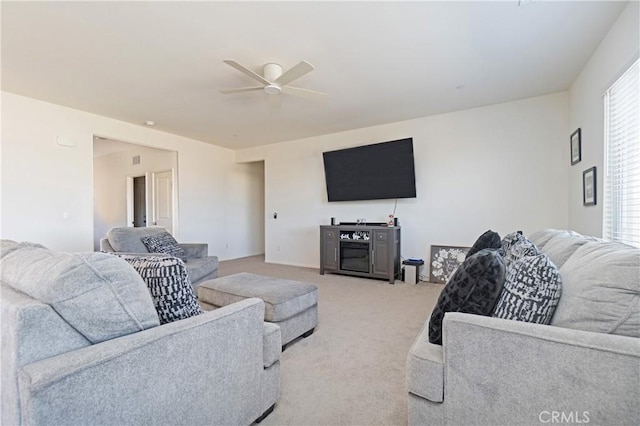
{"x":293,"y":305}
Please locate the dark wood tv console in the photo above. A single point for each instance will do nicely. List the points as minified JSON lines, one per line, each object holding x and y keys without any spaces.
{"x":361,"y":250}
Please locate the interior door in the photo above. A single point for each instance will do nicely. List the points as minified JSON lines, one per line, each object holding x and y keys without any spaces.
{"x":163,"y":200}
{"x":139,"y":202}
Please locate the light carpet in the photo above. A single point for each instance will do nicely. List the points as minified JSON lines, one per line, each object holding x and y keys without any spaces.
{"x":351,"y":371}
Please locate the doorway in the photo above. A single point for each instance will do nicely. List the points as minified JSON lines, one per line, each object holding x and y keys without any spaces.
{"x":140,"y":201}
{"x":156,"y":199}
{"x":124,"y":178}
{"x":162,"y":200}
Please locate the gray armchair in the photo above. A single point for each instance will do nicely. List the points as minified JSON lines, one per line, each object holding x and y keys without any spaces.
{"x":200,"y":266}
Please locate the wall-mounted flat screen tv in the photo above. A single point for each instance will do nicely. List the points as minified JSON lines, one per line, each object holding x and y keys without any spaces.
{"x":371,"y":172}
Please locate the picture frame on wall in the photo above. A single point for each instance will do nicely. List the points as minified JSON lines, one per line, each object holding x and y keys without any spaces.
{"x":589,"y":182}
{"x":576,"y":146}
{"x":444,"y":262}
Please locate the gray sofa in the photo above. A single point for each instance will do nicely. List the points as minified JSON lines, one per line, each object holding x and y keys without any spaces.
{"x":82,"y":345}
{"x":583,"y":368}
{"x":200,"y":266}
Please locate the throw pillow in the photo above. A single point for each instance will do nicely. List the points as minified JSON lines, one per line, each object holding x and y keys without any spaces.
{"x":169,"y":285}
{"x":531,"y":290}
{"x":474,"y":288}
{"x":164,"y":242}
{"x":516,"y":246}
{"x":97,"y":294}
{"x":489,"y":239}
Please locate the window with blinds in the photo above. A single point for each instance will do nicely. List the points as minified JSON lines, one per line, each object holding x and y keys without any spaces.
{"x":621,"y":220}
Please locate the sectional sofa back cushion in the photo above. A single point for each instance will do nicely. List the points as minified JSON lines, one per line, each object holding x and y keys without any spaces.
{"x":601,"y":289}
{"x":8,"y":246}
{"x":129,"y":240}
{"x":98,"y":294}
{"x":542,"y":237}
{"x":562,"y":246}
{"x":169,"y":285}
{"x":474,"y":288}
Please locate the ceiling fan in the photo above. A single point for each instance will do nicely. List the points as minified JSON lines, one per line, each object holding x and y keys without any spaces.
{"x":274,"y":81}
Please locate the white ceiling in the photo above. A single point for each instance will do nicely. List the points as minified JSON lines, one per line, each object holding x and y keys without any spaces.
{"x":379,"y":62}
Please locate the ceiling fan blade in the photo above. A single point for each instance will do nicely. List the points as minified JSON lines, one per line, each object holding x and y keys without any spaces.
{"x":299,"y":91}
{"x":246,"y":71}
{"x":297,"y":71}
{"x":241,"y":89}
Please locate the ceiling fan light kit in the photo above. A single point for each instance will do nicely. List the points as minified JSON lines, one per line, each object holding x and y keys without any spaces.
{"x":274,"y":80}
{"x":272,"y":72}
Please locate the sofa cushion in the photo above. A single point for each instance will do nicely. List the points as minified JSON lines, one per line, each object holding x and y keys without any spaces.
{"x":163,"y":242}
{"x":201,"y":267}
{"x":169,"y":285}
{"x":99,"y":295}
{"x":474,"y":288}
{"x":531,"y":290}
{"x":7,"y":246}
{"x":542,"y":237}
{"x":601,"y":289}
{"x":129,"y":240}
{"x":516,"y":246}
{"x":562,"y":245}
{"x":283,"y":298}
{"x":489,"y":239}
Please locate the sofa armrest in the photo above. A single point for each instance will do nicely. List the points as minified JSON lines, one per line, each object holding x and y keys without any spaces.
{"x":272,"y":344}
{"x":105,"y":245}
{"x":195,"y":250}
{"x":201,"y":370}
{"x":527,"y":372}
{"x":425,"y":368}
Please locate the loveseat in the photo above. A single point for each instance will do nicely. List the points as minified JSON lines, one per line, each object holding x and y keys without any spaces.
{"x":200,"y":266}
{"x":582,"y":368}
{"x":82,"y":345}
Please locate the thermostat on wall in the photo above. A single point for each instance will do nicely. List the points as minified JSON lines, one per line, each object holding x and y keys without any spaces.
{"x":64,"y":141}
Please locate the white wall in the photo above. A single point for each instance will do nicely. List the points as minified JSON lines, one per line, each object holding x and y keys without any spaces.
{"x":110,"y":173}
{"x":501,"y":167}
{"x":617,"y":51}
{"x":47,"y":189}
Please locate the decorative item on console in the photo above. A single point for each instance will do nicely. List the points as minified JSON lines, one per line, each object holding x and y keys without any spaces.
{"x":355,"y":235}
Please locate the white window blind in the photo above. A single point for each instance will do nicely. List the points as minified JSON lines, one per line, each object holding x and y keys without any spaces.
{"x":621,"y":221}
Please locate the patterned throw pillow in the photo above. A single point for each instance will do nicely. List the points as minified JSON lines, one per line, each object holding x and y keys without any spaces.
{"x":531,"y":290}
{"x":164,"y":242}
{"x":474,"y":288}
{"x":489,"y":239}
{"x":516,"y":246}
{"x":169,"y":285}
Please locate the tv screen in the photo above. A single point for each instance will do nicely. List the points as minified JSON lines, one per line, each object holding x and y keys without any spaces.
{"x":371,"y":172}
